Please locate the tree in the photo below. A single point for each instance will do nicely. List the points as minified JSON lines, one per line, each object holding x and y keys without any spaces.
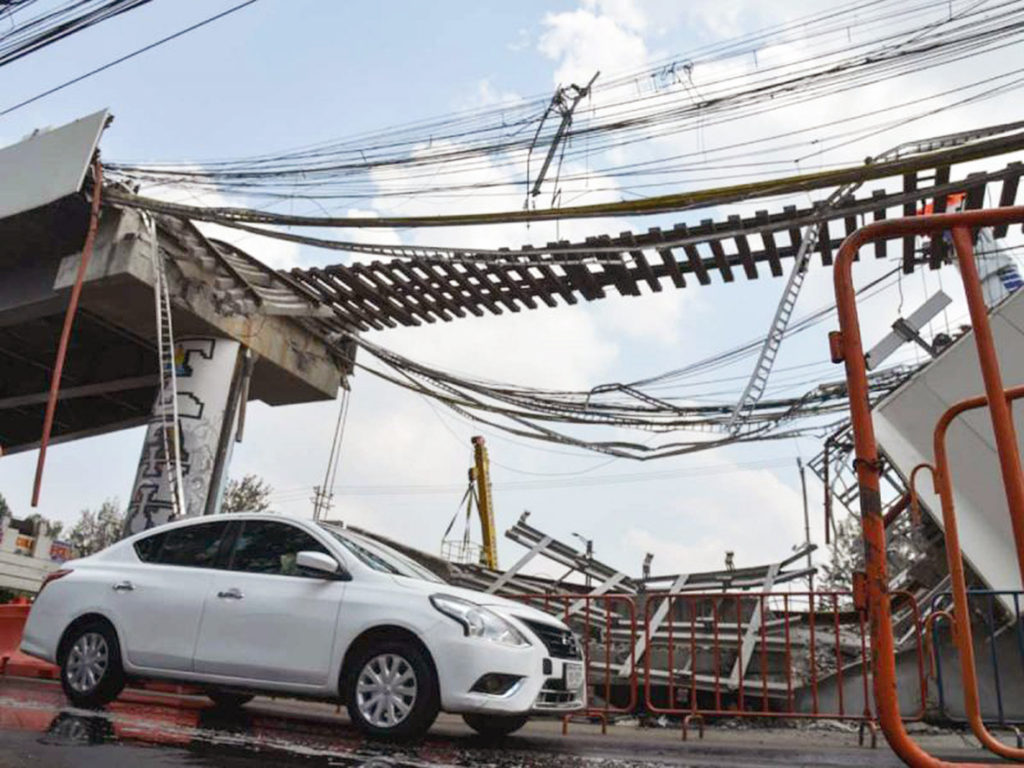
{"x":9,"y":595}
{"x":97,"y":530}
{"x":50,"y":528}
{"x":5,"y":509}
{"x":905,"y":547}
{"x":847,"y":555}
{"x":250,"y":494}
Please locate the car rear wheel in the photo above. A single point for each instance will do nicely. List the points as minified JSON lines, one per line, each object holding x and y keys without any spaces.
{"x":494,"y":726}
{"x":226,"y":700}
{"x":90,"y":667}
{"x":391,"y":690}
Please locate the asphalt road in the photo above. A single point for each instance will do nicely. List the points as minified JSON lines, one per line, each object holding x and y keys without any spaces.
{"x":39,"y":730}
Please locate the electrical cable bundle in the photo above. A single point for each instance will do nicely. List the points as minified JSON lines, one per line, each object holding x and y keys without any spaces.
{"x":531,"y":411}
{"x":29,"y":34}
{"x":528,"y":412}
{"x":439,"y":158}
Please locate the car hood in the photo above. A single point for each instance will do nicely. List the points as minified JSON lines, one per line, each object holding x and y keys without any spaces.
{"x":500,"y":605}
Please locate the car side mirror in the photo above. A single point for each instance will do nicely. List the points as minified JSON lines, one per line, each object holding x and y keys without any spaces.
{"x":321,"y":564}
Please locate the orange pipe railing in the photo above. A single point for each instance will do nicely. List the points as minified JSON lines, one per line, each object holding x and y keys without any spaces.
{"x":847,"y":347}
{"x":962,"y":634}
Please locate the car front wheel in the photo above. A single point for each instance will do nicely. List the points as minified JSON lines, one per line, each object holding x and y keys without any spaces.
{"x":495,"y":726}
{"x":90,"y":668}
{"x":391,"y":690}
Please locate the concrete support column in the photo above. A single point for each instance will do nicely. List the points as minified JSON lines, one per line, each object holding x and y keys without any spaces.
{"x":209,"y":378}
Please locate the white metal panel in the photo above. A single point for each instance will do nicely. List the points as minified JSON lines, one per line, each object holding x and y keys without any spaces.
{"x":905,"y":424}
{"x":918,"y":320}
{"x":49,"y":165}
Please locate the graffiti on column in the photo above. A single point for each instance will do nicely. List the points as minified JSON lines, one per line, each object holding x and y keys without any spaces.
{"x":203,"y":368}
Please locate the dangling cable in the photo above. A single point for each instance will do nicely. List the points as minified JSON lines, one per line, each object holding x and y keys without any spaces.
{"x":323,"y":502}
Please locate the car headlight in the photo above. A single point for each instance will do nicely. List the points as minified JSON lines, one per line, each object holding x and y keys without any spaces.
{"x":478,"y":621}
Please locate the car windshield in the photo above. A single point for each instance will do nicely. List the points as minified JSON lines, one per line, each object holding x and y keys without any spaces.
{"x":381,"y":557}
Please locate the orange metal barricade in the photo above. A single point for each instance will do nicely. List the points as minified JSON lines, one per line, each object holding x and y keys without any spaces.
{"x":12,"y":623}
{"x":606,"y":626}
{"x":12,"y":661}
{"x":847,"y":347}
{"x":816,"y":637}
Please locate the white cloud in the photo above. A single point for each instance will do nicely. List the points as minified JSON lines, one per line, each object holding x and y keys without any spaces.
{"x":748,"y":512}
{"x":601,"y":35}
{"x":488,"y":95}
{"x":522,"y":42}
{"x":658,"y":318}
{"x":626,"y":13}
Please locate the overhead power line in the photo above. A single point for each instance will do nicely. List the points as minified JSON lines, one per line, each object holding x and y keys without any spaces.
{"x":126,"y":57}
{"x":533,"y":413}
{"x":299,"y":493}
{"x":28,"y":35}
{"x":675,"y":202}
{"x":439,"y":158}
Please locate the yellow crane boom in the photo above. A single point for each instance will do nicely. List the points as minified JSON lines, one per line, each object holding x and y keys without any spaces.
{"x":481,"y":473}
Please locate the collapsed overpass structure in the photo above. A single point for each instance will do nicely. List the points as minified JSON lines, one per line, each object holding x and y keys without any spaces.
{"x":246,"y":331}
{"x":243,"y":331}
{"x":239,"y":326}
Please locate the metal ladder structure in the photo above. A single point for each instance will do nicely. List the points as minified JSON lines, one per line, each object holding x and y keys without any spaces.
{"x":165,"y":413}
{"x":758,"y":381}
{"x":783,"y":312}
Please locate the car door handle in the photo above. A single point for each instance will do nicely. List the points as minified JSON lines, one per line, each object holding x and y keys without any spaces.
{"x":231,"y":594}
{"x":124,"y":586}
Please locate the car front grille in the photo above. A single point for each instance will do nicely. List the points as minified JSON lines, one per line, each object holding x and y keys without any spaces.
{"x":561,"y":643}
{"x":554,"y":696}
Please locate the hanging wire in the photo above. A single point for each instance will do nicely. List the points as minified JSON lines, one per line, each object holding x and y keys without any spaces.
{"x":326,"y":494}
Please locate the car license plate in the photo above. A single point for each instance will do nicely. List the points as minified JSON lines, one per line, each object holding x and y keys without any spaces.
{"x":573,"y":676}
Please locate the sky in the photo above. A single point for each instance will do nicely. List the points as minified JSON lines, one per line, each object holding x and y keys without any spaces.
{"x":283,"y":74}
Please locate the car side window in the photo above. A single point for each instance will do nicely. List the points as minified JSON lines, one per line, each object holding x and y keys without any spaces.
{"x":264,"y":546}
{"x":148,"y":548}
{"x":194,"y":546}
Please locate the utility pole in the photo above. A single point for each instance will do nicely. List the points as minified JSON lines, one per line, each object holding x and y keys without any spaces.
{"x":322,"y":502}
{"x":564,"y":101}
{"x":807,"y":523}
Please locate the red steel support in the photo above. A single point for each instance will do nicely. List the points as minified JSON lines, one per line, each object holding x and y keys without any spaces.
{"x":69,"y":319}
{"x":693,"y":665}
{"x":813,"y":656}
{"x":764,"y":656}
{"x":789,"y":656}
{"x":739,"y":647}
{"x":848,"y":348}
{"x":839,"y":653}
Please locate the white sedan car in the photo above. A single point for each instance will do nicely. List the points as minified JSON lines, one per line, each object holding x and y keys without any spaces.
{"x":245,"y":604}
